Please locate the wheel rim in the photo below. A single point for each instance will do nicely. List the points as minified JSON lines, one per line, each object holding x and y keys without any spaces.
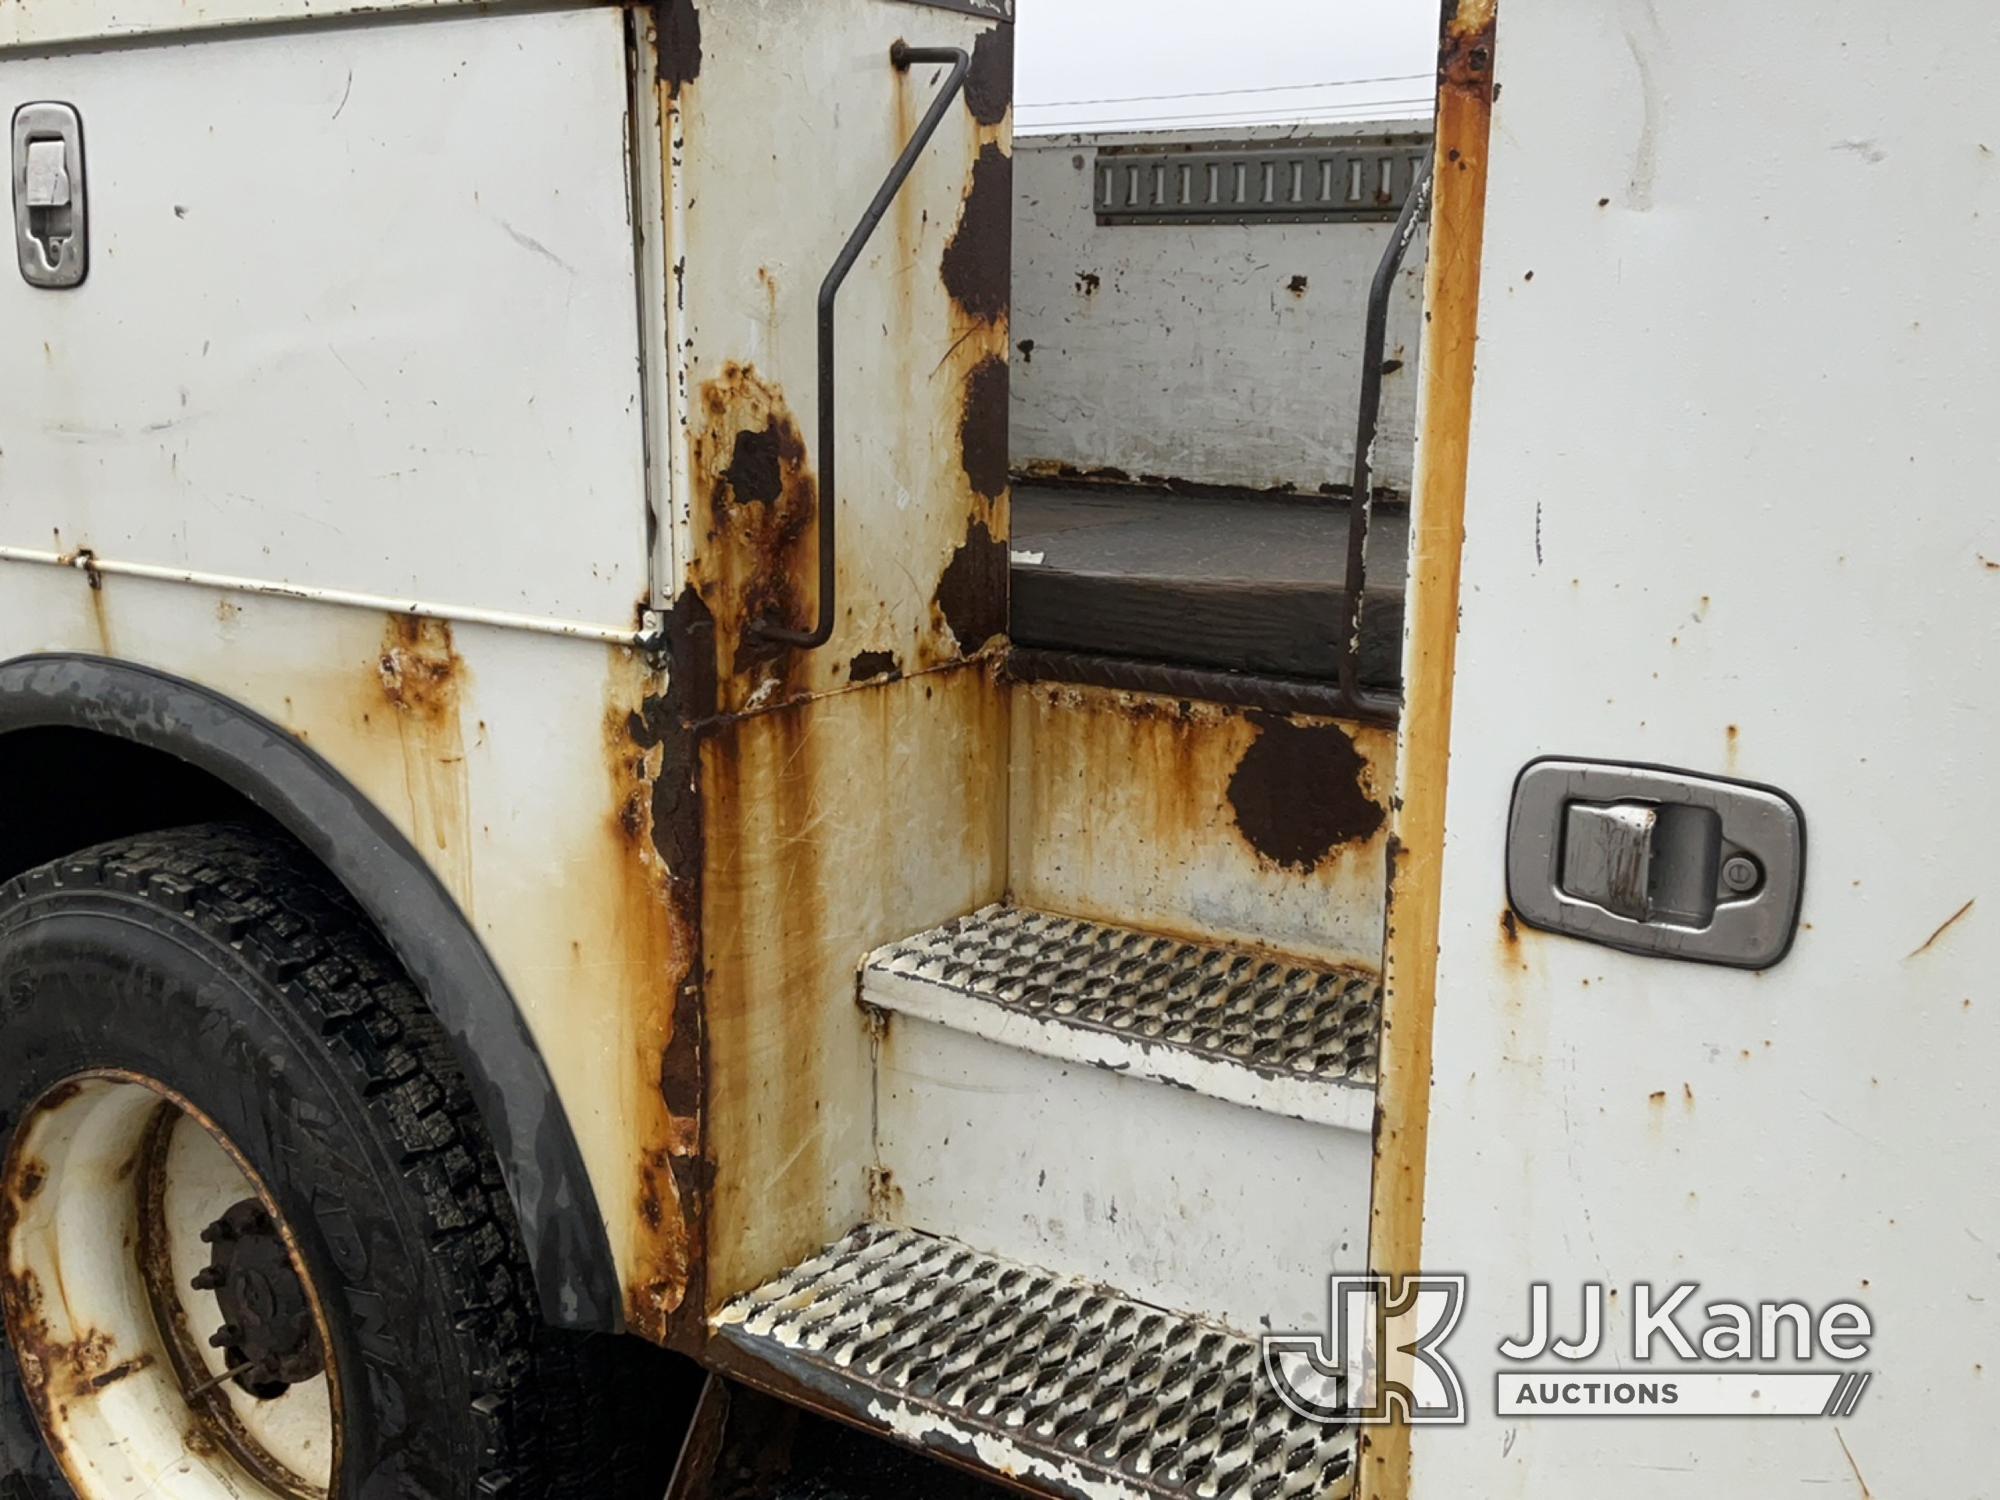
{"x":155,"y":1298}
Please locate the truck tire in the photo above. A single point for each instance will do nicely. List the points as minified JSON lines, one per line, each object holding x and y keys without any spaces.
{"x":211,"y":1064}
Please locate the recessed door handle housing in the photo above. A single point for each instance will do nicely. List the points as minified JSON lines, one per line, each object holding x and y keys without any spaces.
{"x":1655,"y":860}
{"x":51,"y":213}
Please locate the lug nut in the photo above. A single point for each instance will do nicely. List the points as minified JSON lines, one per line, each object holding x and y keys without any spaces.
{"x":209,"y":1279}
{"x":225,"y":1337}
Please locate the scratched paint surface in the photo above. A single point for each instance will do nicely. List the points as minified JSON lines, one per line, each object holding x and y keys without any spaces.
{"x":351,"y":309}
{"x":921,"y":360}
{"x":856,"y":793}
{"x":1679,"y":554}
{"x":40,"y":22}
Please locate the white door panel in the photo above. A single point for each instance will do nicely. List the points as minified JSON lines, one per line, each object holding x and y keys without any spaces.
{"x":1730,"y":509}
{"x":360,"y":316}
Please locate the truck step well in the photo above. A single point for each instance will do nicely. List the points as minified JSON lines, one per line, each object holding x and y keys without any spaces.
{"x":1062,"y":1385}
{"x":1253,"y":1028}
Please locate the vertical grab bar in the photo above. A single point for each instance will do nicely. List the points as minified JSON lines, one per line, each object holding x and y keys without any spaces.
{"x":1374,"y":346}
{"x":903,"y":57}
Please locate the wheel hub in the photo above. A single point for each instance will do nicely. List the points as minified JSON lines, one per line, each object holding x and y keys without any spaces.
{"x":268,"y":1336}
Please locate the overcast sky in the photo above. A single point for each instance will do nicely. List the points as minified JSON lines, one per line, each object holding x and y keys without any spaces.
{"x":1258,"y":50}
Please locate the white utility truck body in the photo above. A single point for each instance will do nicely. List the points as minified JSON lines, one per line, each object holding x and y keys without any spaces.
{"x":499,"y":847}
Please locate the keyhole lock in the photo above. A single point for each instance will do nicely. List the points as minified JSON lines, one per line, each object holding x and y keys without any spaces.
{"x":50,"y":211}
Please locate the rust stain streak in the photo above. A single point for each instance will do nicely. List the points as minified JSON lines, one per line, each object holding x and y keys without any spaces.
{"x":1942,"y":928}
{"x":420,"y":678}
{"x":1866,"y":1493}
{"x":653,"y":849}
{"x":1451,"y":297}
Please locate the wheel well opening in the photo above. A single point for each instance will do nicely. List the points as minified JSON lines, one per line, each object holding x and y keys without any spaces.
{"x":64,"y":789}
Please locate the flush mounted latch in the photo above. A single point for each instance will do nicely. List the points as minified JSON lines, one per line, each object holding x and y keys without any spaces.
{"x":1658,"y":861}
{"x":51,"y":221}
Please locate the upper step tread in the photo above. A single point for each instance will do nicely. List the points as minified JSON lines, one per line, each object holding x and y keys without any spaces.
{"x":1064,"y":1384}
{"x":1229,"y":1005}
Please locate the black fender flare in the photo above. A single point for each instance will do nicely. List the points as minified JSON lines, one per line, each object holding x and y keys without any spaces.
{"x":291,"y":783}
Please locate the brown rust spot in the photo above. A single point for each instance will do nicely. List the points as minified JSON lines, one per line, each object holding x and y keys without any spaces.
{"x":868,"y":665}
{"x":1298,"y":792}
{"x":972,"y":591}
{"x":420,"y":668}
{"x":1465,"y":57}
{"x":679,"y":43}
{"x":756,"y":508}
{"x":978,"y":263}
{"x":1510,"y":927}
{"x":989,"y":86}
{"x":33,"y":1175}
{"x":983,"y":427}
{"x":55,"y":1369}
{"x":1297,"y":286}
{"x":419,"y":675}
{"x":120,"y":1372}
{"x":885,"y":1195}
{"x":758,"y":467}
{"x":60,"y":1095}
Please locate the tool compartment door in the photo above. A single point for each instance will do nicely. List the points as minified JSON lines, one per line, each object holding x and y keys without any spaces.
{"x":1729,"y":509}
{"x":360,"y":316}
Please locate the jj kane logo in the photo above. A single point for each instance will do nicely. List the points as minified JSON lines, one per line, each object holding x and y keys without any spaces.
{"x":1383,"y":1357}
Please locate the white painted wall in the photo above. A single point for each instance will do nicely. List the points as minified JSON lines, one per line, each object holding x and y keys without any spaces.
{"x":1730,"y":507}
{"x":360,"y":317}
{"x":1189,"y":356}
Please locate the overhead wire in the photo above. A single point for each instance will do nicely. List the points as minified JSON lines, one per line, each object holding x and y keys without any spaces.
{"x":1262,"y":88}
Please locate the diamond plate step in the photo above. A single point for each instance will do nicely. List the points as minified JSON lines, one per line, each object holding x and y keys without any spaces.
{"x":1268,"y":1032}
{"x":1057,"y":1382}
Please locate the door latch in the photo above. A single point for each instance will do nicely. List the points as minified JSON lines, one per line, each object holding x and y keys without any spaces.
{"x":1653,"y":860}
{"x":51,"y":216}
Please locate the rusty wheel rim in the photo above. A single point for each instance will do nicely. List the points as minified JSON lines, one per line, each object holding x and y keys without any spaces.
{"x":168,"y":1338}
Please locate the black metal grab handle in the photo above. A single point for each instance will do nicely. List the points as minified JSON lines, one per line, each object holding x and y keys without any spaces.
{"x":903,"y":57}
{"x":1374,"y":346}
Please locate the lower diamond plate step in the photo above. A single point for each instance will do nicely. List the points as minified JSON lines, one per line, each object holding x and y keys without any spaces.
{"x":1055,"y":1381}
